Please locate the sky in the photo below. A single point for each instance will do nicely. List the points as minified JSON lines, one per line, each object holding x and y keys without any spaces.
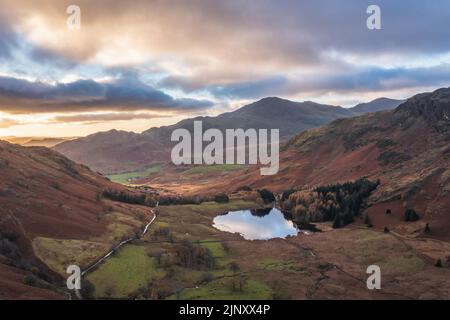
{"x":137,"y":64}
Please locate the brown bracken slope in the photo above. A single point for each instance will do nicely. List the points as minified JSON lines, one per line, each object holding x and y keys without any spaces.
{"x":42,"y":193}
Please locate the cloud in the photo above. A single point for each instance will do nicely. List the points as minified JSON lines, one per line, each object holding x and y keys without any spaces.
{"x":250,"y":89}
{"x":103,"y":117}
{"x":372,"y":80}
{"x":233,"y":33}
{"x":6,"y":123}
{"x":123,"y":94}
{"x":8,"y":39}
{"x":234,"y":49}
{"x":351,"y":81}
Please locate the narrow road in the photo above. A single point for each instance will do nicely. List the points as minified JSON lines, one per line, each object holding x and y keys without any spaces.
{"x":117,"y":247}
{"x":149,"y":224}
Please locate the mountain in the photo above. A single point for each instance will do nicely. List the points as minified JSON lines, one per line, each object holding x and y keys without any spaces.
{"x":118,"y":151}
{"x":37,"y":141}
{"x":290,"y":117}
{"x":376,"y":105}
{"x":407,"y":149}
{"x":47,"y":202}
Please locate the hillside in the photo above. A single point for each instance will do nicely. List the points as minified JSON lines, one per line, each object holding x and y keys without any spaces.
{"x":47,"y":199}
{"x":118,"y":151}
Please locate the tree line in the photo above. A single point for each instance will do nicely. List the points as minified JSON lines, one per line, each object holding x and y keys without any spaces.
{"x":340,"y":202}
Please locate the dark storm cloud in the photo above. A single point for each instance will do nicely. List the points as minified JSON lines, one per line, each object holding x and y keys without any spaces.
{"x":22,"y":96}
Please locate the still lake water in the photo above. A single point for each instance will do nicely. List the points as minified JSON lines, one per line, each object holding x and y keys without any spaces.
{"x":260,"y":224}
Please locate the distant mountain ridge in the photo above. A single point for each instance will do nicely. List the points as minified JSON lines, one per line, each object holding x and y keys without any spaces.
{"x":37,"y":141}
{"x":290,"y":117}
{"x":376,"y":105}
{"x":119,"y":151}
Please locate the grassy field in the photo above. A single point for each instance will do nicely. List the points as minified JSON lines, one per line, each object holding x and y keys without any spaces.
{"x":59,"y":254}
{"x":214,"y":168}
{"x":277,"y":265}
{"x":208,"y":208}
{"x":218,"y":251}
{"x":223,"y":290}
{"x":127,"y":271}
{"x":123,"y":225}
{"x":405,"y":263}
{"x":195,"y":221}
{"x":132,"y":268}
{"x":128,"y":177}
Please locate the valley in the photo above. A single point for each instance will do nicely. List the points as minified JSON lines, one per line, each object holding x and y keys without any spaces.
{"x":161,"y":154}
{"x":323,"y":265}
{"x":115,"y":151}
